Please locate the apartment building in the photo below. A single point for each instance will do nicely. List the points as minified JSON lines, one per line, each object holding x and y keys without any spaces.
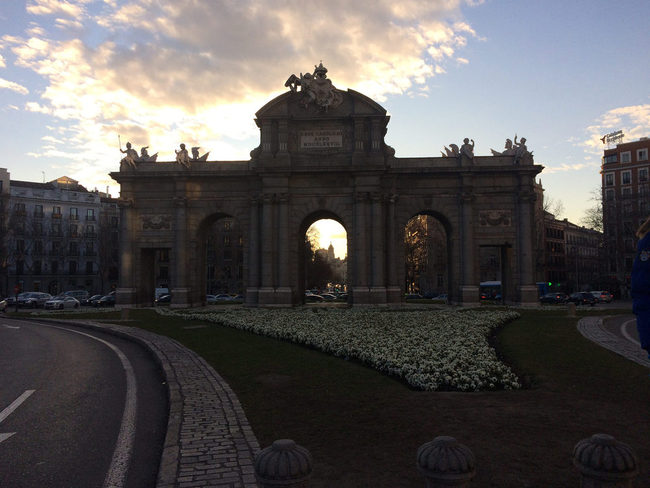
{"x":626,"y":203}
{"x":57,"y":236}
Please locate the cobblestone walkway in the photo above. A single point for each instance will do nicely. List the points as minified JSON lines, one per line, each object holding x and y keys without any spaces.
{"x":592,"y":328}
{"x":209,"y":441}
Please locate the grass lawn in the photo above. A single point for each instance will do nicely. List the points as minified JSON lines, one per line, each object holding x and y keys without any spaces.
{"x":363,"y":428}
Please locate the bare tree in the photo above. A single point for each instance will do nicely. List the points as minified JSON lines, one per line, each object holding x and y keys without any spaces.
{"x":556,"y":207}
{"x":593,"y":217}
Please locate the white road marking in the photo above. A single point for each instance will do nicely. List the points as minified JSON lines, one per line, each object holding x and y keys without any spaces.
{"x":15,"y":404}
{"x":626,"y":334}
{"x":10,"y":409}
{"x":4,"y":437}
{"x":10,"y":326}
{"x":116,"y":475}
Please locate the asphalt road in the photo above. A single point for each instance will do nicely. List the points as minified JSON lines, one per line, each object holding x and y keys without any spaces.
{"x":78,"y":408}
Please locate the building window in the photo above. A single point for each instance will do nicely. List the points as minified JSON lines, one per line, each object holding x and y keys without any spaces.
{"x":626,"y":177}
{"x":609,"y":179}
{"x":74,"y":214}
{"x":56,"y":229}
{"x":38,"y":248}
{"x":74,"y":249}
{"x":626,"y":157}
{"x":642,"y":154}
{"x":56,"y":248}
{"x":626,"y":192}
{"x":72,"y":267}
{"x":114,"y":222}
{"x":19,"y":208}
{"x":643,"y":174}
{"x":227,"y":225}
{"x":609,"y":195}
{"x":89,"y":267}
{"x":54,"y":266}
{"x":90,"y":231}
{"x":37,"y":267}
{"x":38,"y":228}
{"x":38,"y":210}
{"x":90,"y":214}
{"x":90,"y":248}
{"x":612,"y":158}
{"x":56,"y":212}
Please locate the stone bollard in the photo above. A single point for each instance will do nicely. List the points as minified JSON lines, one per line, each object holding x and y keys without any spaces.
{"x":283,"y":464}
{"x":124,"y":314}
{"x":571,"y":309}
{"x":605,"y":462}
{"x":445,"y":462}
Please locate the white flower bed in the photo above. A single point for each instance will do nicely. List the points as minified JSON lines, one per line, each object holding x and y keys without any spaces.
{"x":430,"y":350}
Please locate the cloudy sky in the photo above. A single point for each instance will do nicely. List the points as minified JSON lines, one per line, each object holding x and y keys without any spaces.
{"x":75,"y":74}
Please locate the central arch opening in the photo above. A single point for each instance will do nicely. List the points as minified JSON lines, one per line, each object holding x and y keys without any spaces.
{"x":324,"y":262}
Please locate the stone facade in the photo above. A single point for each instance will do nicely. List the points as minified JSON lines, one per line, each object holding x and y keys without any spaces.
{"x":324,"y":156}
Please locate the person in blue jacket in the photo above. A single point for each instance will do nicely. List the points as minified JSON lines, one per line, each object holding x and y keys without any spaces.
{"x":640,"y":285}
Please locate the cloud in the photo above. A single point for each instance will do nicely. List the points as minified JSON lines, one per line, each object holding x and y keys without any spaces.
{"x":195,"y":71}
{"x":10,"y":85}
{"x":61,"y":7}
{"x":633,"y":120}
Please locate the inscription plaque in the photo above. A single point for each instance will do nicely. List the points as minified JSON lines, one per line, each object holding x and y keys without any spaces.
{"x":321,"y":139}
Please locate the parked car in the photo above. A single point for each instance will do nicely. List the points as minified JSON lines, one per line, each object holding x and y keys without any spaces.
{"x":210,"y":299}
{"x":107,"y":300}
{"x":413,"y":296}
{"x":583,"y":298}
{"x":603,"y":296}
{"x":78,"y":294}
{"x":92,"y":301}
{"x":554,"y":297}
{"x":441,"y":298}
{"x":33,"y":299}
{"x":312,"y":298}
{"x":223,"y":297}
{"x":62,"y":302}
{"x":3,"y":305}
{"x":163,"y":300}
{"x":328,"y":297}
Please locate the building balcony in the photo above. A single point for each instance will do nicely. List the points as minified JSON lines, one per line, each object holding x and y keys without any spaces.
{"x":57,"y":215}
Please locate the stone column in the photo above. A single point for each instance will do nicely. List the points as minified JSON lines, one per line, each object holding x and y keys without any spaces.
{"x":378,"y":284}
{"x":180,"y":291}
{"x":253,"y":253}
{"x":393,"y":294}
{"x":376,"y":135}
{"x":283,"y":291}
{"x":527,"y":288}
{"x":125,"y":295}
{"x":469,"y":285}
{"x":266,"y":291}
{"x":360,"y":290}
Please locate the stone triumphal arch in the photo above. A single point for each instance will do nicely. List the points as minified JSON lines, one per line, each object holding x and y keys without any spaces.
{"x":322,"y":153}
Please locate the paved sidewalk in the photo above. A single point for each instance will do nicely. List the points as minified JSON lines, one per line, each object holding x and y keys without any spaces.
{"x":209,"y":441}
{"x":592,"y":328}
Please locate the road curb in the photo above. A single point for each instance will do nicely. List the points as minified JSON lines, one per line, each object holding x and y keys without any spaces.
{"x":592,"y":328}
{"x":209,"y":441}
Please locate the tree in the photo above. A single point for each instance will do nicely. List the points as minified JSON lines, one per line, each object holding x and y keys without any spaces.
{"x":593,"y":217}
{"x":553,"y":206}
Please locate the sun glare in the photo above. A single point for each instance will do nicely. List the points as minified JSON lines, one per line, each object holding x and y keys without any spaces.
{"x":331,"y":231}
